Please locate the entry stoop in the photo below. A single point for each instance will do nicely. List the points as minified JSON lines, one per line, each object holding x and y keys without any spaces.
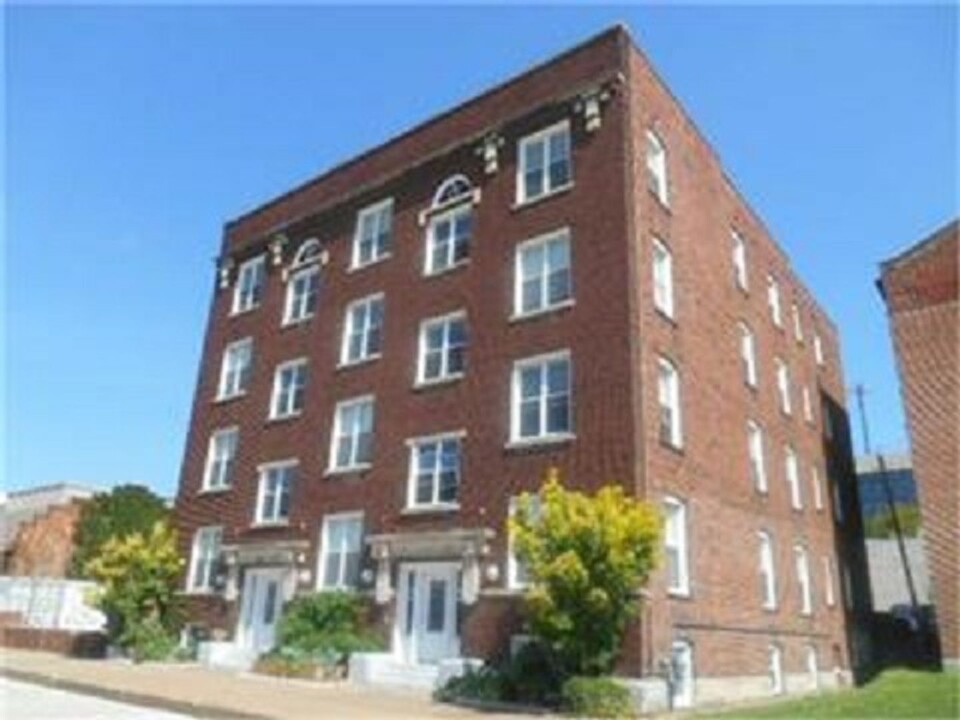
{"x":385,"y":669}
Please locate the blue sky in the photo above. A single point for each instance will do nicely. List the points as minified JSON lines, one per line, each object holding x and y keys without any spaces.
{"x":134,"y":133}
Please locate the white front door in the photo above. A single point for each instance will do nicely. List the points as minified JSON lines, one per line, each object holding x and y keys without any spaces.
{"x":260,"y":607}
{"x":427,"y":612}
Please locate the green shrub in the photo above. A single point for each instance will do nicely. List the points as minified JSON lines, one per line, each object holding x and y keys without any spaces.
{"x":533,"y":676}
{"x":149,"y":640}
{"x":285,"y":663}
{"x":596,"y":697}
{"x":327,"y":626}
{"x":485,"y":684}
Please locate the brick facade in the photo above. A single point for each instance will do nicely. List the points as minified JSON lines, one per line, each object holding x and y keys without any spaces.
{"x":614,"y":336}
{"x":920,"y":289}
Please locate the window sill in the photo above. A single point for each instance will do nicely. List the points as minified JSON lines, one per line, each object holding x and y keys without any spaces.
{"x":542,"y":441}
{"x":266,"y":524}
{"x":534,"y":314}
{"x":358,"y":363}
{"x":370,"y":263}
{"x":525,"y":203}
{"x":214,"y":490}
{"x":447,"y":270}
{"x":334,"y":472}
{"x":663,"y":202}
{"x":297,"y":322}
{"x":200,"y":593}
{"x":431,"y":509}
{"x":438,"y":382}
{"x":665,"y":316}
{"x":223,"y":399}
{"x":274,"y":419}
{"x":244,"y":311}
{"x":680,"y":594}
{"x":672,"y":447}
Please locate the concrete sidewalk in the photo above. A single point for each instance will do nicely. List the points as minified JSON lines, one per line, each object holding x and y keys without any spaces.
{"x":201,"y":692}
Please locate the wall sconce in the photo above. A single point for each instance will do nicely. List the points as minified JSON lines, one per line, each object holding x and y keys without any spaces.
{"x":492,"y":572}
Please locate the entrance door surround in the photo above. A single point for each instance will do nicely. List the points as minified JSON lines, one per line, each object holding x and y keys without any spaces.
{"x":425,"y":623}
{"x":261,"y":602}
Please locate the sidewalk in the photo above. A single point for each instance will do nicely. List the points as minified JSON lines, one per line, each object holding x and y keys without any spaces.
{"x":198,"y":691}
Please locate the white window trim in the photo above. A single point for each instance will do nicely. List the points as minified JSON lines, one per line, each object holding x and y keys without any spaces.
{"x":191,"y":586}
{"x":791,"y":470}
{"x":797,"y":324}
{"x":783,"y":386}
{"x":547,"y":307}
{"x":413,"y":444}
{"x":368,"y":300}
{"x":662,"y":172}
{"x":807,"y":405}
{"x":754,"y":429}
{"x":546,"y":437}
{"x":275,"y":413}
{"x":513,"y":564}
{"x":445,"y":376}
{"x":459,"y":206}
{"x":521,"y":189}
{"x":802,"y":566}
{"x":253,"y":262}
{"x":324,"y":544}
{"x":262,"y":469}
{"x":682,"y":588}
{"x":775,"y":660}
{"x":740,"y":274}
{"x":818,"y":350}
{"x":206,"y":485}
{"x":775,"y":301}
{"x":768,"y":557}
{"x":816,"y":479}
{"x":676,"y":395}
{"x":813,"y":665}
{"x":666,"y":305}
{"x":371,"y":209}
{"x":686,"y":699}
{"x":222,"y":393}
{"x":748,"y":353}
{"x":828,"y":582}
{"x":332,"y":467}
{"x":306,"y":271}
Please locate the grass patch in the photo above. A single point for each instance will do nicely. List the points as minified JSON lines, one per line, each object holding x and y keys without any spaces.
{"x":894,"y":694}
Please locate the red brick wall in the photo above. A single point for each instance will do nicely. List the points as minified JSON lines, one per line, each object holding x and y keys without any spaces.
{"x":44,"y":546}
{"x":921,"y":292}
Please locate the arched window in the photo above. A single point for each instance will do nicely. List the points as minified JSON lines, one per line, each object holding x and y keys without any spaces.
{"x":303,"y":283}
{"x":308,"y":252}
{"x":455,"y":188}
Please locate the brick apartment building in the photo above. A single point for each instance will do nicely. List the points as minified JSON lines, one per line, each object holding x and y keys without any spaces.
{"x":554,"y":273}
{"x":920,"y":290}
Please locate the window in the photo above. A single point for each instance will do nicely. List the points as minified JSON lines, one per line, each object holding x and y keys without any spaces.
{"x":681,"y":674}
{"x":273,"y":496}
{"x":807,"y":405}
{"x":748,"y":355}
{"x":203,"y":559}
{"x":847,"y":587}
{"x":792,"y":473}
{"x":221,"y":455}
{"x":837,"y":501}
{"x":657,"y":167}
{"x":518,"y":576}
{"x":352,"y":446}
{"x":443,"y":346}
{"x":248,"y":292}
{"x":668,"y":396}
{"x":362,"y":330}
{"x":817,"y":484}
{"x":448,"y":239}
{"x":675,"y":547}
{"x":289,"y":383}
{"x":662,"y":278}
{"x":341,"y":543}
{"x":803,"y":579}
{"x":768,"y":575}
{"x":435,"y":471}
{"x":773,"y":300}
{"x":758,"y":465}
{"x":302,"y":290}
{"x":818,"y":349}
{"x":235,"y":369}
{"x":739,"y":260}
{"x":541,"y":403}
{"x":783,"y":386}
{"x":545,"y":164}
{"x":813,"y":666}
{"x":371,"y":241}
{"x":543,"y":278}
{"x":797,"y":326}
{"x":775,"y":669}
{"x":452,"y":191}
{"x":828,"y":592}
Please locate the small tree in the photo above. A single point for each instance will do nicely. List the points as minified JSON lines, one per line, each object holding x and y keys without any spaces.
{"x":124,"y":510}
{"x":138,"y":576}
{"x":587,"y":558}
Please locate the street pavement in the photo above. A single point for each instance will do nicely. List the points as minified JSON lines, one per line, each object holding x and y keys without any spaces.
{"x":25,"y":701}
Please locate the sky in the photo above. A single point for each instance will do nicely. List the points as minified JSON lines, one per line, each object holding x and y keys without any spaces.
{"x":133,"y":133}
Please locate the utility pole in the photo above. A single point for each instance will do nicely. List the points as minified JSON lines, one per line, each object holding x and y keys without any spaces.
{"x":888,"y":492}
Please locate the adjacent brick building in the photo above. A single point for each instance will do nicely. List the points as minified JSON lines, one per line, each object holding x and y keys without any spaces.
{"x":554,"y":273}
{"x":920,"y":289}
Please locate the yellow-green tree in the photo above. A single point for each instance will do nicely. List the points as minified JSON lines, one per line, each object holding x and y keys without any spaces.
{"x":587,"y":558}
{"x":138,"y":574}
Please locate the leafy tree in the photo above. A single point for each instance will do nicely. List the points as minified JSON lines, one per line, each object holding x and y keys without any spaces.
{"x":124,"y":510}
{"x":880,"y":525}
{"x":587,"y":558}
{"x":332,"y":624}
{"x":138,"y":576}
